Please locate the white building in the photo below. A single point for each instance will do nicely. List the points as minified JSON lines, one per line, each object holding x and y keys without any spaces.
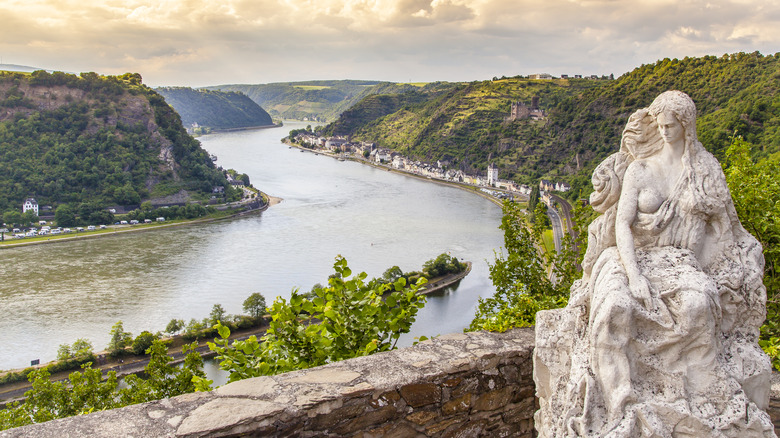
{"x":492,"y":174}
{"x":382,"y":155}
{"x":30,"y":204}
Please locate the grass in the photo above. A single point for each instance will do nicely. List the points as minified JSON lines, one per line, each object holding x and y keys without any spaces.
{"x":549,"y":242}
{"x":312,"y":87}
{"x":414,"y":84}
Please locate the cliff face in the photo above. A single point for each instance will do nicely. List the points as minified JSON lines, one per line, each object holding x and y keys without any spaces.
{"x":94,"y":139}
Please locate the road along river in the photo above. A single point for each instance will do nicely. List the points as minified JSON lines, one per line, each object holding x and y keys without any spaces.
{"x":54,"y":294}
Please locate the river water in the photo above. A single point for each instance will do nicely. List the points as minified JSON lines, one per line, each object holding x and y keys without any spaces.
{"x":54,"y":294}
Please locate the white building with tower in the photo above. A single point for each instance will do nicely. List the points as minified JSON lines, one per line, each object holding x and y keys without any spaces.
{"x":492,"y":175}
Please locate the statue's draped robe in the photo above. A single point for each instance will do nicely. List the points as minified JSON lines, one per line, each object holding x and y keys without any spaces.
{"x":608,"y":366}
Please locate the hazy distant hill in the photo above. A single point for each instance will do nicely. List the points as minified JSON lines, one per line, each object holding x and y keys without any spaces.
{"x":19,"y":68}
{"x":312,"y":100}
{"x":104,"y":140}
{"x":215,"y":109}
{"x":733,"y":93}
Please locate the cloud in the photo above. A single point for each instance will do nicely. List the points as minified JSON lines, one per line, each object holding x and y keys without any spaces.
{"x":200,"y":42}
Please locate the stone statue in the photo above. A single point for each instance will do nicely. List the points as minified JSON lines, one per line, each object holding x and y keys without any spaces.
{"x":660,"y":336}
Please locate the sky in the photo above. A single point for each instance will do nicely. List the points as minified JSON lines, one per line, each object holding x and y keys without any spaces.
{"x":207,"y":42}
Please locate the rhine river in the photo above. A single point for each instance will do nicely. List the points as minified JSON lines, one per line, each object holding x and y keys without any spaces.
{"x":54,"y":294}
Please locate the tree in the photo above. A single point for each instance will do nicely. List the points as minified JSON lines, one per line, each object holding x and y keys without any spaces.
{"x":392,"y":274}
{"x":755,"y":190}
{"x":29,"y":217}
{"x":217,"y":314}
{"x":119,"y":339}
{"x":174,"y":326}
{"x":254,"y":305}
{"x":12,"y":217}
{"x":63,"y":352}
{"x":162,"y":379}
{"x":65,"y":215}
{"x":142,"y":342}
{"x":521,"y":275}
{"x":81,"y":349}
{"x":350,"y":318}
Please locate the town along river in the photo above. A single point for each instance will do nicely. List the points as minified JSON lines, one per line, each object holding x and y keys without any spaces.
{"x":54,"y":294}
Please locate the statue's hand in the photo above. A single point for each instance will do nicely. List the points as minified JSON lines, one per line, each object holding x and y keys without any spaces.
{"x":640,"y":290}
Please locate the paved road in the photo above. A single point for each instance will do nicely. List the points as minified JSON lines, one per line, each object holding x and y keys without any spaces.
{"x":565,"y":212}
{"x":557,"y":227}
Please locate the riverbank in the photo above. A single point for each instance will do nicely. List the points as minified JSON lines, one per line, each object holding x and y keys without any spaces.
{"x":441,"y":283}
{"x":126,"y":365}
{"x":132,"y":364}
{"x":461,"y":186}
{"x":246,"y":128}
{"x":114,"y":230}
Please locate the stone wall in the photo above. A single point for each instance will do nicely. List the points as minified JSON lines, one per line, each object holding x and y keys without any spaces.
{"x":458,"y":385}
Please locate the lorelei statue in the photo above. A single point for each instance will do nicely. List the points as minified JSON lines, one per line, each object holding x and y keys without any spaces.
{"x":660,"y":336}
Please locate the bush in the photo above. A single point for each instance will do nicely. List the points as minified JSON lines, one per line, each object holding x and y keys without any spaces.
{"x":142,"y":342}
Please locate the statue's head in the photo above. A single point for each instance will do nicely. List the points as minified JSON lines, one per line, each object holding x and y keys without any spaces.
{"x":680,"y":106}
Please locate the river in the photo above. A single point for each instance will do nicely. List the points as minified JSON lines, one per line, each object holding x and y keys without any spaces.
{"x":54,"y":294}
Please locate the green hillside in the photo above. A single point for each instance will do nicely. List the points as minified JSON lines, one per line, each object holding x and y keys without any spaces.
{"x":103,"y":140}
{"x":215,"y":109}
{"x":313,"y":100}
{"x":466,"y":124}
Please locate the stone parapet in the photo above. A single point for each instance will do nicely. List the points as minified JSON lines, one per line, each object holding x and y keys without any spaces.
{"x":457,"y":385}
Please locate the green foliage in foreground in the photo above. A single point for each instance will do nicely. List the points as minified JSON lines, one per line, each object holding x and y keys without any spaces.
{"x":86,"y":391}
{"x":521,"y":274}
{"x":755,"y":190}
{"x":349,"y":318}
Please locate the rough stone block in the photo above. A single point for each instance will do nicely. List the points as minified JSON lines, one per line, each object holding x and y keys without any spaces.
{"x":493,"y":400}
{"x":437,"y":428}
{"x":468,"y":430}
{"x":367,"y":421}
{"x":224,"y":414}
{"x":422,"y":417}
{"x":421,"y":394}
{"x":456,"y":406}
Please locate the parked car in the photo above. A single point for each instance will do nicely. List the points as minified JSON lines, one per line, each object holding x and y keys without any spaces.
{"x":123,"y":222}
{"x":102,"y":227}
{"x":67,"y":230}
{"x":79,"y":229}
{"x":91,"y":228}
{"x":133,"y":222}
{"x":147,"y":221}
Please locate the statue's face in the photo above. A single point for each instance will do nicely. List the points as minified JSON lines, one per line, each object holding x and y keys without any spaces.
{"x":671,"y":129}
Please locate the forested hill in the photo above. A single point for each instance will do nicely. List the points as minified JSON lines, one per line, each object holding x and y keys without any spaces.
{"x":733,"y":93}
{"x":103,"y":140}
{"x":313,"y":100}
{"x":215,"y":109}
